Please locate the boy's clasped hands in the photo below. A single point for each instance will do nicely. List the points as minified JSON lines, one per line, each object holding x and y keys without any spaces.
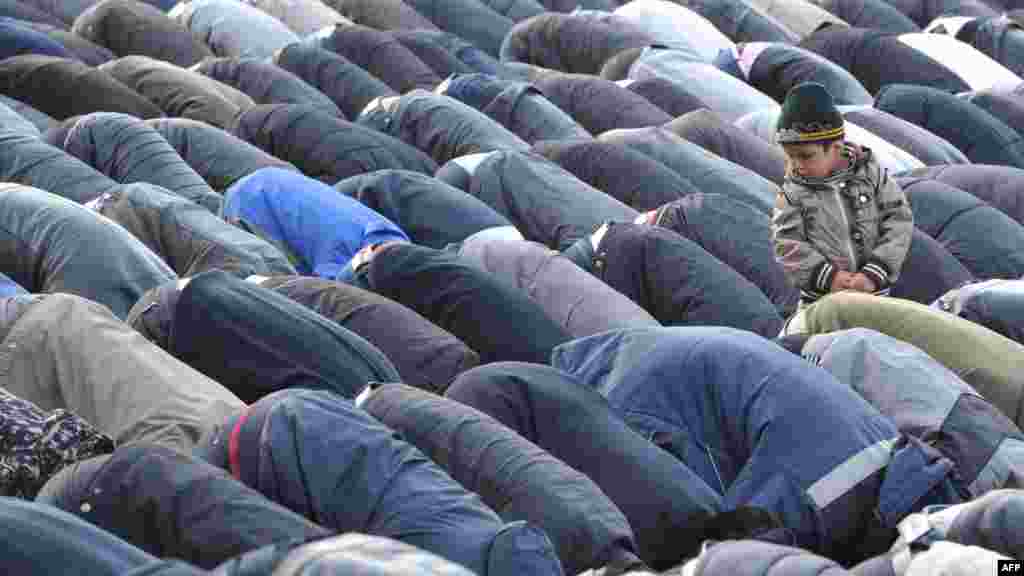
{"x":852,"y":281}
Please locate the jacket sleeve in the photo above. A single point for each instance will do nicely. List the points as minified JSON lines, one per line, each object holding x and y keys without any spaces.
{"x":895,"y":228}
{"x":806,"y":267}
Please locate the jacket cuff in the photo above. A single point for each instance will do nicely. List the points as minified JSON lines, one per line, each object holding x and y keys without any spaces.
{"x":878,"y":272}
{"x":821,"y":277}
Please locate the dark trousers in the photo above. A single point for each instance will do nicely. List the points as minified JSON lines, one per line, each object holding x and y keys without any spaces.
{"x":514,"y":476}
{"x":172,"y":505}
{"x":41,"y":539}
{"x":324,"y":458}
{"x":497,"y":321}
{"x":431,"y":212}
{"x":255,"y":341}
{"x":425,"y":355}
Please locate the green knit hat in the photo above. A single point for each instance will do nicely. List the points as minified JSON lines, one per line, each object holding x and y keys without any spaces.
{"x":809,"y":115}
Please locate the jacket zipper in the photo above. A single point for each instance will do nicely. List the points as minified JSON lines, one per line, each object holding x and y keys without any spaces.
{"x":846,"y":226}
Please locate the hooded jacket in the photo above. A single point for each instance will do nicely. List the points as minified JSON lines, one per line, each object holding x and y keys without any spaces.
{"x":674,"y":279}
{"x":434,"y":214}
{"x":855,"y":220}
{"x":324,"y":146}
{"x":131,"y":27}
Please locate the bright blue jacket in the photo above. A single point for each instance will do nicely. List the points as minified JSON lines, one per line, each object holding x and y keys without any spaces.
{"x":321,"y":228}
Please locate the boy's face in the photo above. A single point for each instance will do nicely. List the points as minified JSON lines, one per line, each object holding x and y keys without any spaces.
{"x":815,"y":160}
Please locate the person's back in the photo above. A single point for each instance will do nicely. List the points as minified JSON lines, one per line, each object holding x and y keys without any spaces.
{"x":840,"y":222}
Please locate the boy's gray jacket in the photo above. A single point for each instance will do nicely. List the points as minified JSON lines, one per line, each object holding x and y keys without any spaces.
{"x":857,"y":220}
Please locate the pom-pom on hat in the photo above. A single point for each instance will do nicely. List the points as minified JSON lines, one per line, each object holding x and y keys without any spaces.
{"x":809,"y":115}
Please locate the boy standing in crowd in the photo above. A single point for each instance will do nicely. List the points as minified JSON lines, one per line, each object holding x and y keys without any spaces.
{"x":840,"y":222}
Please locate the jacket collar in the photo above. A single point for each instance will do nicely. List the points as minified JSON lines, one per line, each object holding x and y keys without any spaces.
{"x":859,"y":157}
